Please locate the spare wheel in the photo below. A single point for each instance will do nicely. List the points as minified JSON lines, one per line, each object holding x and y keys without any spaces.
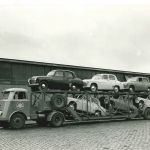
{"x":58,"y":101}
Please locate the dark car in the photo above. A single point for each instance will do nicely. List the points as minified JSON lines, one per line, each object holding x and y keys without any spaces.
{"x":56,"y":79}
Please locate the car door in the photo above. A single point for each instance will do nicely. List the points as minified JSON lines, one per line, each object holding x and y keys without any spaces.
{"x":104,"y":84}
{"x":58,"y":80}
{"x":112,"y":81}
{"x":145,"y":84}
{"x":139,"y":85}
{"x":67,"y":78}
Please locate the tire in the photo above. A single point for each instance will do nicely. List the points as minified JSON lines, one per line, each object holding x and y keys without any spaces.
{"x":42,"y":122}
{"x":58,"y":101}
{"x":147,"y":114}
{"x":131,"y":89}
{"x":98,"y":113}
{"x":17,"y":121}
{"x":73,"y":105}
{"x":75,"y":88}
{"x":57,"y":119}
{"x":93,"y":87}
{"x":116,"y":89}
{"x":43,"y":86}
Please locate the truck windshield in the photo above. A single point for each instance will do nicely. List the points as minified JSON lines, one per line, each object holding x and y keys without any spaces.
{"x":5,"y":95}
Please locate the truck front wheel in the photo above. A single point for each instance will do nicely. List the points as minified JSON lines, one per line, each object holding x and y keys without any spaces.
{"x":17,"y":121}
{"x":57,"y":119}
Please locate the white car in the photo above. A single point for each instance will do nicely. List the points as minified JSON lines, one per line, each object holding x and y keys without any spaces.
{"x":103,"y":82}
{"x":144,"y":106}
{"x":87,"y":104}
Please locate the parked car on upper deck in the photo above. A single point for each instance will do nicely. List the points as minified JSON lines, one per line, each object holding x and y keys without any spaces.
{"x":103,"y":82}
{"x":56,"y":79}
{"x":137,"y":84}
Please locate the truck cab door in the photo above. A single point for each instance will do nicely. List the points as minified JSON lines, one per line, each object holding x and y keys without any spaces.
{"x":21,"y":103}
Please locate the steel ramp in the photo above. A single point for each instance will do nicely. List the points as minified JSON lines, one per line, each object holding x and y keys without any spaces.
{"x":74,"y":114}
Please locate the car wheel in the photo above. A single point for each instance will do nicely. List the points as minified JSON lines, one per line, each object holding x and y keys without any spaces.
{"x":73,"y":105}
{"x":43,"y":86}
{"x":98,"y":113}
{"x":147,"y":114}
{"x":75,"y":88}
{"x":116,"y":89}
{"x":58,"y":101}
{"x":17,"y":121}
{"x":57,"y":119}
{"x":141,"y":104}
{"x":131,"y":89}
{"x":93,"y":87}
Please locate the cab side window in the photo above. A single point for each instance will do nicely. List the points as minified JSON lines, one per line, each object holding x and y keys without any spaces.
{"x":20,"y":95}
{"x":68,"y":75}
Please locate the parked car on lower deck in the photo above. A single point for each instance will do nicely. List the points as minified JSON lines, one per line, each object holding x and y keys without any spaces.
{"x":103,"y":82}
{"x":87,"y":104}
{"x":137,"y":84}
{"x":56,"y":79}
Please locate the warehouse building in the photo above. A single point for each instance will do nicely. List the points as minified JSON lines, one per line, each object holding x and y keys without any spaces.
{"x":15,"y":73}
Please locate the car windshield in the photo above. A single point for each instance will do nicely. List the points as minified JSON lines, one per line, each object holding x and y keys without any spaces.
{"x":96,"y":77}
{"x":5,"y":95}
{"x":51,"y":73}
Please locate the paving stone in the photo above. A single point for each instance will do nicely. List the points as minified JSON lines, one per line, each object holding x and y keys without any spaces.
{"x":115,"y":135}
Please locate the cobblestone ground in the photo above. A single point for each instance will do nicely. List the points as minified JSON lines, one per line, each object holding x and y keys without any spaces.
{"x":116,"y":135}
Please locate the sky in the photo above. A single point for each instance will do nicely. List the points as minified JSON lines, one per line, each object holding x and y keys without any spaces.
{"x":110,"y":34}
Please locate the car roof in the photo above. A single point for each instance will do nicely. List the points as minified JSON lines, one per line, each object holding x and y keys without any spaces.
{"x":16,"y":90}
{"x":104,"y":74}
{"x":136,"y":77}
{"x":62,"y":70}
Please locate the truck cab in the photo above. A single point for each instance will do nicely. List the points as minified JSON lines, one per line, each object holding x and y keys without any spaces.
{"x":14,"y":107}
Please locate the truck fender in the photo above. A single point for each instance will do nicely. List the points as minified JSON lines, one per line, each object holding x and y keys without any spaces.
{"x":50,"y":115}
{"x":18,"y":113}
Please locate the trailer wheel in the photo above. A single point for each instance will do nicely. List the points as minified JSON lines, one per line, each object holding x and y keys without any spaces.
{"x":57,"y":119}
{"x":58,"y":101}
{"x":147,"y":114}
{"x":17,"y":121}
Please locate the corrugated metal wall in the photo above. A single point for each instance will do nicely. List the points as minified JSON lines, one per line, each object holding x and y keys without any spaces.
{"x":13,"y":73}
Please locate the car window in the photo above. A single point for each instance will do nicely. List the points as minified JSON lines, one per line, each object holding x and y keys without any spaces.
{"x":145,"y":80}
{"x":105,"y":77}
{"x":140,"y":79}
{"x":20,"y":95}
{"x":112,"y":77}
{"x":69,"y":75}
{"x":59,"y":74}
